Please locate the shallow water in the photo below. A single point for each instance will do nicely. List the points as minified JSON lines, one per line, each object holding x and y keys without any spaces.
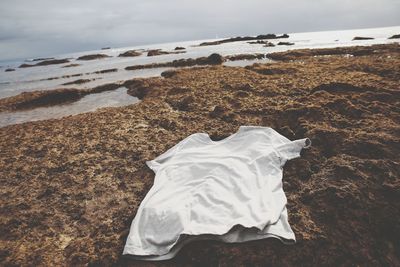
{"x":28,"y":79}
{"x":35,"y":78}
{"x":88,"y":103}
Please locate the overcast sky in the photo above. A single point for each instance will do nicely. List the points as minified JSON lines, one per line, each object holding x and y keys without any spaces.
{"x":33,"y":28}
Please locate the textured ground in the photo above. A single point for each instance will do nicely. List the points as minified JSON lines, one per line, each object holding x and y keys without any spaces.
{"x":71,"y":187}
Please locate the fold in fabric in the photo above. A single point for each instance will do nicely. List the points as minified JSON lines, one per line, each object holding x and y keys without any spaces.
{"x":228,"y":190}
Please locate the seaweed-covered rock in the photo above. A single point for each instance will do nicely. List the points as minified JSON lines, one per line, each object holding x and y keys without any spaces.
{"x":360,"y":38}
{"x":45,"y":63}
{"x":92,"y":57}
{"x":130,"y":53}
{"x":285,"y":43}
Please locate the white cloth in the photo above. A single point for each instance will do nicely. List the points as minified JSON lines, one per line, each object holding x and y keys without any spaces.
{"x":228,"y":190}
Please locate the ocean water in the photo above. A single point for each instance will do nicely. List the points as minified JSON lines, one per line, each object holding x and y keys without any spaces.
{"x":34,"y":78}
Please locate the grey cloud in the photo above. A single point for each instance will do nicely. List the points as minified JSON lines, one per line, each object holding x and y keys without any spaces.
{"x":48,"y":27}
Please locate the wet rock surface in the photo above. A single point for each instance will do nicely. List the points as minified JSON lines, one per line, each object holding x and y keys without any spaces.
{"x":360,"y":38}
{"x":29,"y":100}
{"x":355,"y":51}
{"x":45,"y":63}
{"x":92,"y":57}
{"x":46,"y":98}
{"x":246,"y":38}
{"x":71,"y":65}
{"x":43,"y":58}
{"x":71,"y":187}
{"x":106,"y":71}
{"x":285,"y":43}
{"x":130,"y":53}
{"x":79,"y":81}
{"x":266,"y":43}
{"x":244,"y":57}
{"x":158,"y":52}
{"x":213,"y":59}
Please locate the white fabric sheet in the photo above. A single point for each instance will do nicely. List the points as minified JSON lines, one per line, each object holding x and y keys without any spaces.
{"x":228,"y":190}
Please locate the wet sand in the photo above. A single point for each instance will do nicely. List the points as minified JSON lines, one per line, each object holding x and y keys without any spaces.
{"x":70,"y":187}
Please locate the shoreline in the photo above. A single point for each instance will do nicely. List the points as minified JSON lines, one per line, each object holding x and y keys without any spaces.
{"x":21,"y":101}
{"x":71,"y":186}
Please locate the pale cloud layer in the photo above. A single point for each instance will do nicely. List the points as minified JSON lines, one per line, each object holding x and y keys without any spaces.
{"x":49,"y":27}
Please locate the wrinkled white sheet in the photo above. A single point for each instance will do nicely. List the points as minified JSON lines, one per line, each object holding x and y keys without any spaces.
{"x":228,"y":190}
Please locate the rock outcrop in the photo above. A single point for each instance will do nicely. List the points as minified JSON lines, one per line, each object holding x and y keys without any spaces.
{"x":72,"y":186}
{"x":213,"y":59}
{"x":130,"y":53}
{"x":285,"y":43}
{"x":359,"y":38}
{"x":158,"y":52}
{"x":45,"y":63}
{"x":79,"y":81}
{"x":246,"y":38}
{"x":92,"y":57}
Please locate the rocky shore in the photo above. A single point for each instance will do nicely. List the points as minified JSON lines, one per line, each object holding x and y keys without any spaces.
{"x":70,"y":187}
{"x":246,"y":38}
{"x":45,"y":63}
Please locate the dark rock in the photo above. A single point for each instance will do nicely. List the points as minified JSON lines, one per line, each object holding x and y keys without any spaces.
{"x":358,"y":38}
{"x":130,"y":53}
{"x":285,"y":43}
{"x":167,"y":124}
{"x":215,"y":59}
{"x":355,"y":51}
{"x":79,"y":81}
{"x":168,"y":73}
{"x":106,"y":71}
{"x":396,"y":36}
{"x":269,"y":44}
{"x":272,"y":36}
{"x":9,"y":69}
{"x":45,"y":63}
{"x":136,"y":88}
{"x":105,"y":48}
{"x":363,"y":52}
{"x":92,"y":57}
{"x":25,"y":65}
{"x":179,"y":48}
{"x":244,"y":57}
{"x":71,"y":65}
{"x":246,"y":38}
{"x":183,"y":104}
{"x":104,"y":87}
{"x":41,"y":59}
{"x":259,"y":42}
{"x":218,"y":111}
{"x":157,"y":52}
{"x":67,"y":76}
{"x":35,"y":99}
